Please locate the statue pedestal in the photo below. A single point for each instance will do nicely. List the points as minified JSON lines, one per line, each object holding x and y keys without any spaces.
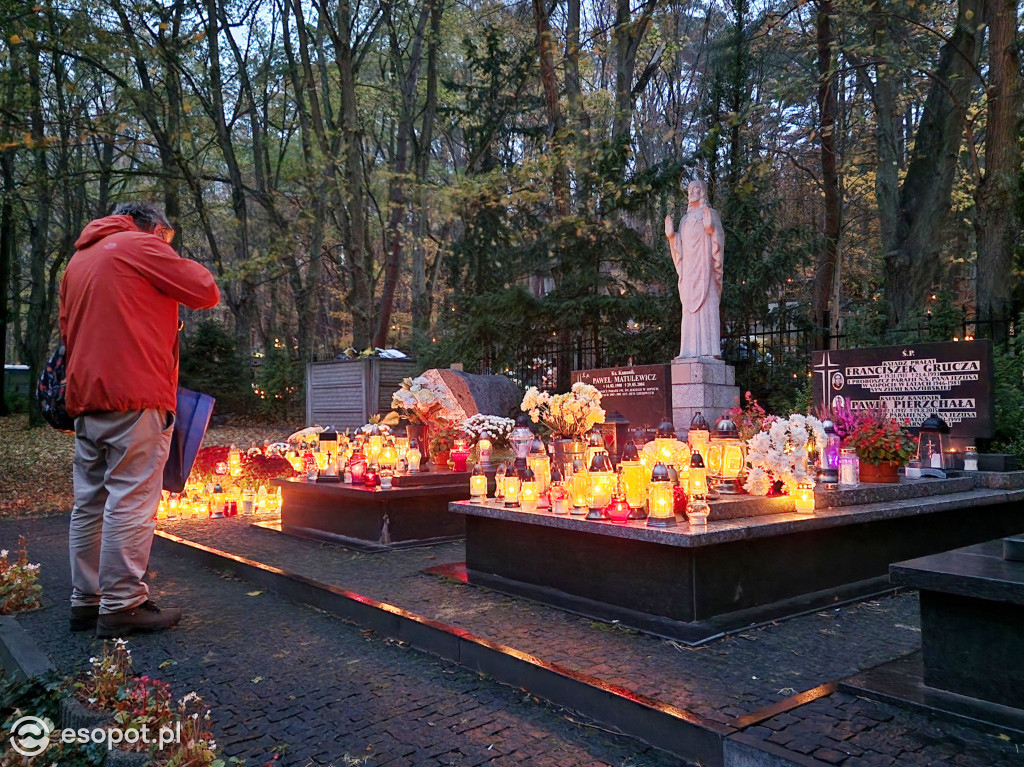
{"x":702,"y":384}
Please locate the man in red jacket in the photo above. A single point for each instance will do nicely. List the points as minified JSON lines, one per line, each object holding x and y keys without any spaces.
{"x":119,"y":320}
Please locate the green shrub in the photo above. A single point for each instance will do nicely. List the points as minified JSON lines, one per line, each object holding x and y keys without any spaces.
{"x":211,"y":363}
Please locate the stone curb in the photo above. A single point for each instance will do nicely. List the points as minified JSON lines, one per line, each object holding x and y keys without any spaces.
{"x":659,"y":724}
{"x":742,"y":750}
{"x":20,"y":658}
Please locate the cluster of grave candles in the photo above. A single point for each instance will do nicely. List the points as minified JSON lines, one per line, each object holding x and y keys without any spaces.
{"x":666,"y":476}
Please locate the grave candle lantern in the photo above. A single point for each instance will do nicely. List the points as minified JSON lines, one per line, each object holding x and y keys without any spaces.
{"x":529,"y":491}
{"x":635,"y":476}
{"x":804,"y":496}
{"x":388,"y":455}
{"x":726,"y":457}
{"x":558,"y":494}
{"x":661,"y":504}
{"x":933,"y":442}
{"x":512,"y":486}
{"x":460,"y":453}
{"x":699,"y":436}
{"x":483,"y":447}
{"x":539,"y":464}
{"x":602,"y":484}
{"x":580,"y":487}
{"x":478,"y":484}
{"x":521,"y":439}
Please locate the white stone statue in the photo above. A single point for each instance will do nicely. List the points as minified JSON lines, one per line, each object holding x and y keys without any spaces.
{"x":697,"y":249}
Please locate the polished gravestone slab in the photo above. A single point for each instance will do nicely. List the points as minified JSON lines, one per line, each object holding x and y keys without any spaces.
{"x":692,"y":583}
{"x":972,"y":621}
{"x":413,"y":512}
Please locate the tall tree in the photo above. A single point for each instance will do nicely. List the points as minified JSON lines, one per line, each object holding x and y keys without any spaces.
{"x":827,"y":275}
{"x":996,"y":220}
{"x":913,"y":263}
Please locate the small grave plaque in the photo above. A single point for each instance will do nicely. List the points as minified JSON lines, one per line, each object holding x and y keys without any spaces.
{"x":952,"y":379}
{"x":641,"y":393}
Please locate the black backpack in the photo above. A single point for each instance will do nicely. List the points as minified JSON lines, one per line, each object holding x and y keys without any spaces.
{"x":50,"y":392}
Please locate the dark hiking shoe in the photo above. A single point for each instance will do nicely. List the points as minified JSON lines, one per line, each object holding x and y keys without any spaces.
{"x":84,"y":618}
{"x":136,"y":620}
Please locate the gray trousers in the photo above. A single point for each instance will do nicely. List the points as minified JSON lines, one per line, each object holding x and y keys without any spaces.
{"x":118,"y":476}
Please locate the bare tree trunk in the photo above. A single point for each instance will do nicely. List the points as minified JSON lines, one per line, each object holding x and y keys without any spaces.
{"x":6,"y":252}
{"x":39,"y":319}
{"x":627,"y":37}
{"x":357,"y":252}
{"x":408,"y":74}
{"x":549,"y":83}
{"x":996,"y":220}
{"x":888,"y":131}
{"x":421,"y":303}
{"x":828,"y":109}
{"x":913,"y":266}
{"x":243,"y":304}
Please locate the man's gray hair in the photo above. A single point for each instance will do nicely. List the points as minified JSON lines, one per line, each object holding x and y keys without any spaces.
{"x":146,"y":215}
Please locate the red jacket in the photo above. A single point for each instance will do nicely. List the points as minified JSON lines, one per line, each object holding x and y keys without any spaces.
{"x":119,"y":317}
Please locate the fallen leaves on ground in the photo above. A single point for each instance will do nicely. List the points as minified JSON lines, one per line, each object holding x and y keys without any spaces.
{"x":36,"y":463}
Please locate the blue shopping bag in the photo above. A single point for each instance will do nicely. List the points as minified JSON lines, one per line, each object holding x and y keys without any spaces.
{"x":190,"y":422}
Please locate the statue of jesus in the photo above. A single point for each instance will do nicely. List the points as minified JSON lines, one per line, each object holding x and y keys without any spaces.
{"x":697,"y":249}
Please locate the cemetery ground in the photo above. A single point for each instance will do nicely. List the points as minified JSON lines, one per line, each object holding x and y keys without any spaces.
{"x":292,"y":685}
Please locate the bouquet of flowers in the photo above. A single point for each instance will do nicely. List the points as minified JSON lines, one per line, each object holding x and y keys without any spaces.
{"x":783,"y":453}
{"x":570,"y":415}
{"x":877,"y":438}
{"x":751,"y":418}
{"x":419,"y":401}
{"x":497,"y":427}
{"x":442,"y":439}
{"x":842,"y":417}
{"x":210,"y":468}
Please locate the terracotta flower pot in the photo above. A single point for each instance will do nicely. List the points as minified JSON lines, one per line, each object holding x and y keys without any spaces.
{"x":887,"y":471}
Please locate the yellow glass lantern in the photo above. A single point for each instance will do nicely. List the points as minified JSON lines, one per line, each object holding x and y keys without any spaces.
{"x":558,"y":494}
{"x":726,"y":457}
{"x":539,"y":463}
{"x":804,"y":496}
{"x":374,"y":445}
{"x":388,"y":457}
{"x":580,"y":487}
{"x":595,"y":445}
{"x":665,"y":443}
{"x":529,"y":490}
{"x":660,"y":498}
{"x":478,"y":484}
{"x":602,"y":484}
{"x":699,"y":436}
{"x":513,"y":485}
{"x":635,"y":478}
{"x":234,"y":461}
{"x":698,"y":481}
{"x":697,"y":509}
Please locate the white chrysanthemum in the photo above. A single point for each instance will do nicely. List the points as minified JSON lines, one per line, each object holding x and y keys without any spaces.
{"x":758,"y":482}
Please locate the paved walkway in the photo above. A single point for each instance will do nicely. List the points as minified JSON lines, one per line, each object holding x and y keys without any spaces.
{"x":278,"y":672}
{"x":287,"y":678}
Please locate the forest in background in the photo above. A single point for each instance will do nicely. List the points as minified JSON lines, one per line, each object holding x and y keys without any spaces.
{"x":462,"y":179}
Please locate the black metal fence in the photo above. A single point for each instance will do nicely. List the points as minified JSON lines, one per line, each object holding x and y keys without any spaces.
{"x":779,"y":346}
